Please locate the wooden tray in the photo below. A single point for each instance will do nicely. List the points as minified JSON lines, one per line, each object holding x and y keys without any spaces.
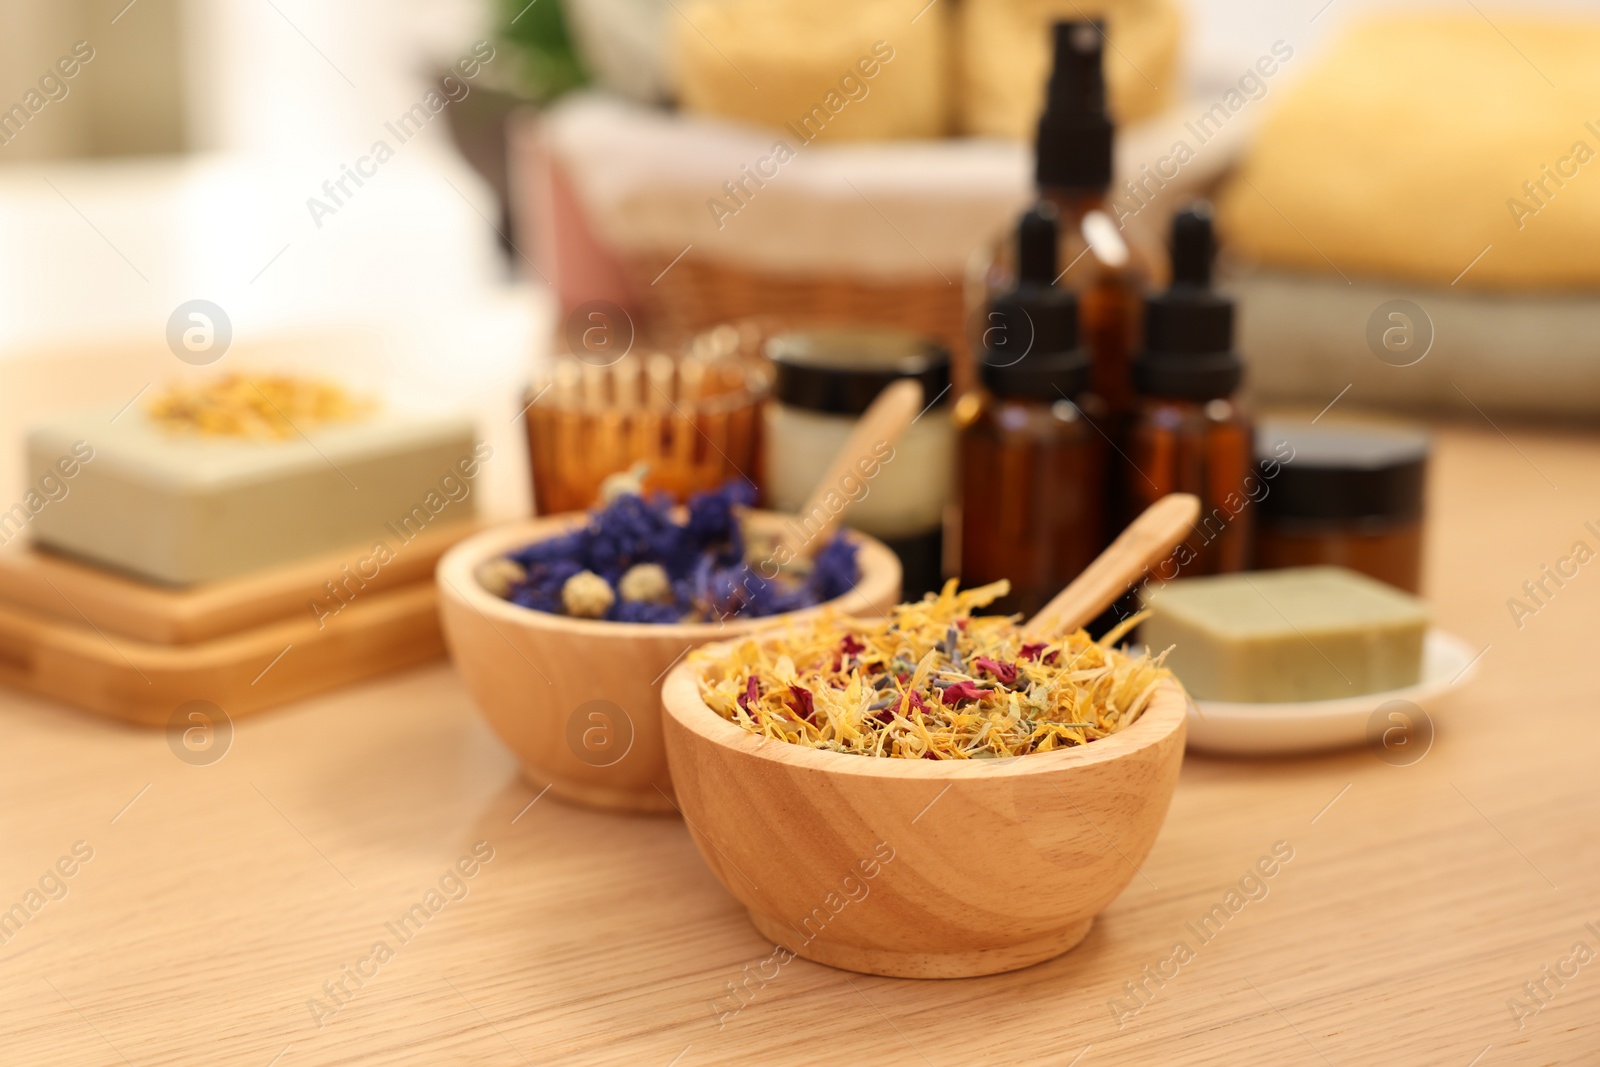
{"x":243,"y":672}
{"x":69,"y":590}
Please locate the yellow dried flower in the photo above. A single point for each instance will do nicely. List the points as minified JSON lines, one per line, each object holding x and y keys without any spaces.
{"x":272,"y":406}
{"x":933,"y":681}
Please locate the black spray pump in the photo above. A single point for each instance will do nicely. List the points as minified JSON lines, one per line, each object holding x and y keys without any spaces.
{"x":1188,"y":330}
{"x":1073,"y":149}
{"x":1030,"y":341}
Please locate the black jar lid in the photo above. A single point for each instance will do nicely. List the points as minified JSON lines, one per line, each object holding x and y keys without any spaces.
{"x":1341,"y":472}
{"x":841,"y":371}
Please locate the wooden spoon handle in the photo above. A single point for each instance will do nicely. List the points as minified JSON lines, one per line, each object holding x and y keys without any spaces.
{"x":1145,"y":542}
{"x":884,"y":422}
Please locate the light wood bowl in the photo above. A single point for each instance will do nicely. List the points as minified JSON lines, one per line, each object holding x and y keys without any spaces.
{"x":993,"y":864}
{"x":579,"y":700}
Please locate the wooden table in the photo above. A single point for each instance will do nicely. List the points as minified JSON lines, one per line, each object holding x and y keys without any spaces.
{"x":223,"y":902}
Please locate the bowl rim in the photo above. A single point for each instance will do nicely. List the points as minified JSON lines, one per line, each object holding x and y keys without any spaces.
{"x":681,"y":702}
{"x":457,"y":579}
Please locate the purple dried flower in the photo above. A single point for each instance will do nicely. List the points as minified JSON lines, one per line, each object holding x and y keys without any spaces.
{"x":704,"y":559}
{"x":644,"y":611}
{"x":835,"y":570}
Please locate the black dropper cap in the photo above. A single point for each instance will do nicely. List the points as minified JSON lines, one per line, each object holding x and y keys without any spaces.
{"x":1030,"y":339}
{"x":1188,"y":330}
{"x":1073,"y":149}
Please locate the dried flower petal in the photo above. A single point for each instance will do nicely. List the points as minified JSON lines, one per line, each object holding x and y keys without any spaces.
{"x":1005,"y":672}
{"x":804,"y":706}
{"x":955,"y":694}
{"x":902,"y":693}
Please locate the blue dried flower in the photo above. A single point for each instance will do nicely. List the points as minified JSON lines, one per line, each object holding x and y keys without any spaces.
{"x":565,"y":547}
{"x":641,"y":611}
{"x":835,"y":570}
{"x":704,"y":558}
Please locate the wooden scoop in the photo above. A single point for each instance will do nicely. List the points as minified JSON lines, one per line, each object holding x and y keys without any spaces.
{"x":1142,"y":545}
{"x":884,"y":422}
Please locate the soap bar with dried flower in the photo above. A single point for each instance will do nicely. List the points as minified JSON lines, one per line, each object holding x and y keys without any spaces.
{"x":195,"y":485}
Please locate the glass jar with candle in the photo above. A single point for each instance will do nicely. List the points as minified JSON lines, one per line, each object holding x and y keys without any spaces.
{"x":687,"y":424}
{"x":823,"y":380}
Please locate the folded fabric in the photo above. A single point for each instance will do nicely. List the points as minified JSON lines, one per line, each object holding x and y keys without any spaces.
{"x":838,"y":69}
{"x":1438,"y":148}
{"x":1524,"y":354}
{"x":1003,"y":49}
{"x":654,"y":182}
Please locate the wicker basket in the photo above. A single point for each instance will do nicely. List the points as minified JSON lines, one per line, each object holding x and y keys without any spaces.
{"x":694,"y":294}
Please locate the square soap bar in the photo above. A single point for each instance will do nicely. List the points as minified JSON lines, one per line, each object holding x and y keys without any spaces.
{"x":186,"y":508}
{"x":1306,"y":633}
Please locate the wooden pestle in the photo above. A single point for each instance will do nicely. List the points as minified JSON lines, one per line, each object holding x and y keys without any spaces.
{"x":1146,"y":541}
{"x":885,"y":421}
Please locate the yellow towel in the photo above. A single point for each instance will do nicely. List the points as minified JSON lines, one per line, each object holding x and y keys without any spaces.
{"x":830,"y":69}
{"x":1004,"y":54}
{"x":1436,"y":148}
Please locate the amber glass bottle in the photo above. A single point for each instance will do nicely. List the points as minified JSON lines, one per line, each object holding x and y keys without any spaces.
{"x":1106,"y":264}
{"x":1032,"y":463}
{"x":1189,"y":434}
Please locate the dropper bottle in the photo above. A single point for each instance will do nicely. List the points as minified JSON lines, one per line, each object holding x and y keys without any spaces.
{"x":1189,"y":433}
{"x":1032,"y":463}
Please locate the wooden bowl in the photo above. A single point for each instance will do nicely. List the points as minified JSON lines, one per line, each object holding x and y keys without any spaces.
{"x":579,"y":700}
{"x":921,"y":868}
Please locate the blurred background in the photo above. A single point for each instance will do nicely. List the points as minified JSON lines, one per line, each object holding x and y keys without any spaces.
{"x":196,"y":151}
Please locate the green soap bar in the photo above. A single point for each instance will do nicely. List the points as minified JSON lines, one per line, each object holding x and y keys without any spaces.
{"x":185,"y":508}
{"x":1306,"y":633}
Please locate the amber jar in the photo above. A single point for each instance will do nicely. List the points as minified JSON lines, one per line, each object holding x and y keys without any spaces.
{"x":1345,"y":495}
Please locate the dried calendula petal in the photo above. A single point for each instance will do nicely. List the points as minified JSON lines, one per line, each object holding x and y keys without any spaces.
{"x":236,"y":405}
{"x":934,"y":681}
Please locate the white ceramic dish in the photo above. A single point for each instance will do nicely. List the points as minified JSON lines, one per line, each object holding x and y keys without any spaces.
{"x":1310,"y":726}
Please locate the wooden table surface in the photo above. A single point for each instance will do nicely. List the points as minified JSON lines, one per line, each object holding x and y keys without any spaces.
{"x":223,"y":902}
